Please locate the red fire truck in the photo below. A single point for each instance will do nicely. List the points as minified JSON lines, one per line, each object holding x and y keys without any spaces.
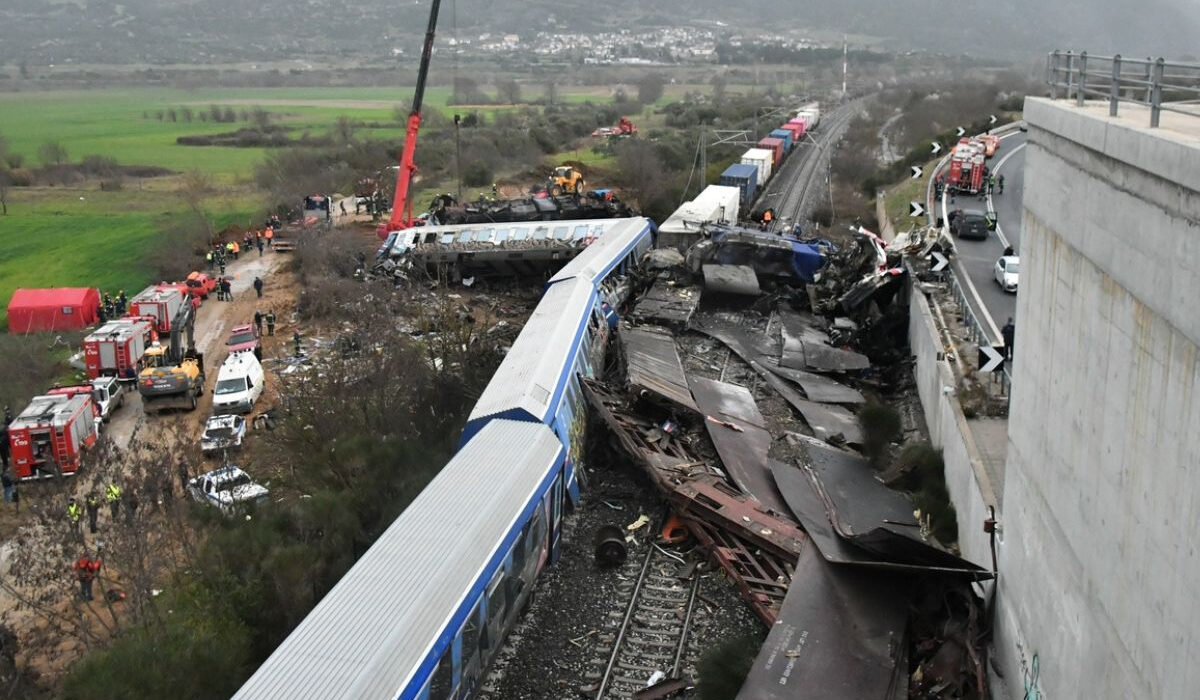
{"x":967,"y":172}
{"x":50,"y":435}
{"x":116,"y":348}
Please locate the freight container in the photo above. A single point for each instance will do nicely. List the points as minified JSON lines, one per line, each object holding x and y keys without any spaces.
{"x":116,"y":348}
{"x":744,"y":177}
{"x":50,"y":435}
{"x":810,"y":114}
{"x":802,"y":123}
{"x":762,"y":159}
{"x":775,"y":146}
{"x":784,"y":135}
{"x":160,"y":303}
{"x":716,"y":204}
{"x":797,"y":132}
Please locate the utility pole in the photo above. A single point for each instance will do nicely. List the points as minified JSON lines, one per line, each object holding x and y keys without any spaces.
{"x":845,"y":60}
{"x":458,"y":157}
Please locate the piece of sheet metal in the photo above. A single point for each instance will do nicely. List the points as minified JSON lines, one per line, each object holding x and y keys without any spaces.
{"x":816,"y":387}
{"x":840,"y":635}
{"x":873,"y":517}
{"x":667,"y":305}
{"x":653,"y":365}
{"x":807,"y":347}
{"x":739,"y":434}
{"x":731,"y":279}
{"x":828,"y":420}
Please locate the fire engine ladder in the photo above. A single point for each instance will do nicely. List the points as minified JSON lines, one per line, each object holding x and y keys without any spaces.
{"x":61,"y":447}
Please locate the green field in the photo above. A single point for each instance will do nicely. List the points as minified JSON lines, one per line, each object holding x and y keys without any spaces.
{"x":78,"y":235}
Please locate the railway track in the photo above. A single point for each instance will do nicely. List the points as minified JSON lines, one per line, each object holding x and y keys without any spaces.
{"x":650,"y":637}
{"x":796,"y":195}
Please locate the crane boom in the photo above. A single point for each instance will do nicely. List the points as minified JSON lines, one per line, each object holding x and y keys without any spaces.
{"x":401,"y":202}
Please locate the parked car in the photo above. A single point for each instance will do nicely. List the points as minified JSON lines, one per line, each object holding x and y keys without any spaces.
{"x":971,"y":223}
{"x":1006,"y":271}
{"x":228,"y":488}
{"x":201,"y":284}
{"x":245,"y":339}
{"x":222,"y":433}
{"x":239,"y":384}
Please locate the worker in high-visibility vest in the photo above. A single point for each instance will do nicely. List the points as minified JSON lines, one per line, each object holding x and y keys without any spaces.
{"x":269,"y":234}
{"x":112,"y":494}
{"x":74,"y":514}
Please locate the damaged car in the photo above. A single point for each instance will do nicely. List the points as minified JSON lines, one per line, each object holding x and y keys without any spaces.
{"x":224,"y":432}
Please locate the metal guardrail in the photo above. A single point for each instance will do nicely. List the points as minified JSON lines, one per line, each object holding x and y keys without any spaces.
{"x":1157,"y":83}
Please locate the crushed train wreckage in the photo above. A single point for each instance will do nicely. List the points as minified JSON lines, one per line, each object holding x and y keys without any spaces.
{"x":839,"y":565}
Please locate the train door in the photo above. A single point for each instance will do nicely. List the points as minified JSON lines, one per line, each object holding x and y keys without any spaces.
{"x":497,"y":613}
{"x":556,"y":510}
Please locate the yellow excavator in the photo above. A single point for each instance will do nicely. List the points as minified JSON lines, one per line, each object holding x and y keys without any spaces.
{"x":173,"y":377}
{"x":566,"y":179}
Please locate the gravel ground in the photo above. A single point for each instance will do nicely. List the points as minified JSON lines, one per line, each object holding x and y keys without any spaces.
{"x":559,"y":646}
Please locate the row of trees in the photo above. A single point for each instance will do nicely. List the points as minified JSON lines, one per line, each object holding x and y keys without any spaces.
{"x":215,"y":114}
{"x":467,"y":91}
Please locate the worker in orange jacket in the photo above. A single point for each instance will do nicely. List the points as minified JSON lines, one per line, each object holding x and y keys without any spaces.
{"x":269,"y":234}
{"x":86,"y":570}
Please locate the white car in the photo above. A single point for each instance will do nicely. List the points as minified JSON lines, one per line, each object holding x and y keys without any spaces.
{"x":1006,"y":271}
{"x":228,"y":488}
{"x":224,"y":432}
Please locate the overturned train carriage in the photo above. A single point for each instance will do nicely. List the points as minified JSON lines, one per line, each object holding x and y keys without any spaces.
{"x":422,"y":613}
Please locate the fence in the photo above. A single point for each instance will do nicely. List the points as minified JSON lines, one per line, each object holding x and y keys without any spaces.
{"x":1161,"y":85}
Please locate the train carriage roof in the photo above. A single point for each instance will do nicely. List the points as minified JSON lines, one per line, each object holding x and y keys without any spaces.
{"x":531,"y":378}
{"x":599,"y":258}
{"x":368,"y":635}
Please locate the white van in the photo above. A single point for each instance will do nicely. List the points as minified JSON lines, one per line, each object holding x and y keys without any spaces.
{"x":239,"y":384}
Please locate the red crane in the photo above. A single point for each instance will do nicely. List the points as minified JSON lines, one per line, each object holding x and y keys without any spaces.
{"x":401,"y":203}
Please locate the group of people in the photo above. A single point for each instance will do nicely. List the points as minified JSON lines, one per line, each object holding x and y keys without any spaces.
{"x":160,"y":494}
{"x":269,"y":318}
{"x":112,"y":307}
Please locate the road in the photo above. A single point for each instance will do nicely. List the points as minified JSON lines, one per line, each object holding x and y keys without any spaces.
{"x":975,"y":259}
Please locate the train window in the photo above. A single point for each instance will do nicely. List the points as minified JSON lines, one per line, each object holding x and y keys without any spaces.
{"x":580,"y":233}
{"x":465,"y":236}
{"x":561,"y":233}
{"x":484,"y":235}
{"x":443,"y":678}
{"x":430,"y":237}
{"x":497,"y":603}
{"x":471,"y":632}
{"x":447,"y":238}
{"x":520,"y":234}
{"x":540,"y":233}
{"x":501,"y":235}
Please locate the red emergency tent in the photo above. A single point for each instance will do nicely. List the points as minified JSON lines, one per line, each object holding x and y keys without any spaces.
{"x":55,"y":309}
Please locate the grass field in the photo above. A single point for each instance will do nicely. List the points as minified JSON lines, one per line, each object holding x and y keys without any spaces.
{"x":67,"y":236}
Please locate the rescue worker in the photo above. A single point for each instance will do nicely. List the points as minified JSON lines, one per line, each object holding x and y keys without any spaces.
{"x":342,"y":206}
{"x":258,"y":286}
{"x":112,"y":494}
{"x":74,"y":515}
{"x":8,"y":416}
{"x":208,"y":258}
{"x":1009,"y":333}
{"x":86,"y":570}
{"x":260,"y":246}
{"x":1000,"y":181}
{"x":93,"y":510}
{"x":221,"y":265}
{"x":766,"y":219}
{"x":9,"y":485}
{"x":236,"y":249}
{"x":1008,"y":251}
{"x":269,"y":234}
{"x":270,"y":322}
{"x":122,"y":302}
{"x":229,"y":249}
{"x":228,"y":286}
{"x":100,"y":314}
{"x":258,"y":321}
{"x":296,"y":340}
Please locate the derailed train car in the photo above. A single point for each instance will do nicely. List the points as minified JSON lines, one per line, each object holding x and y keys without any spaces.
{"x":422,"y":613}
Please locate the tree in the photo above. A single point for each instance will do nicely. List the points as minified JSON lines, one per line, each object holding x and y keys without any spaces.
{"x":52,"y":153}
{"x":510,"y":91}
{"x":650,"y":89}
{"x":551,"y":92}
{"x":260,"y":117}
{"x":5,"y":184}
{"x":187,"y":114}
{"x":343,"y":130}
{"x":15,"y":160}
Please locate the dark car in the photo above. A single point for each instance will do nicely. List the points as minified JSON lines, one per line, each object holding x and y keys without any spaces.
{"x":244,"y":339}
{"x":970,"y":223}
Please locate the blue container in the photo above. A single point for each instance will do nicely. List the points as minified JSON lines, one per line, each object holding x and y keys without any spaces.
{"x":786,"y":135}
{"x":744,"y":177}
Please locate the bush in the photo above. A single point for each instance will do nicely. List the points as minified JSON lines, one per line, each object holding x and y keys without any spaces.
{"x":880,"y":426}
{"x":925,"y":476}
{"x":724,"y":668}
{"x":477,"y":173}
